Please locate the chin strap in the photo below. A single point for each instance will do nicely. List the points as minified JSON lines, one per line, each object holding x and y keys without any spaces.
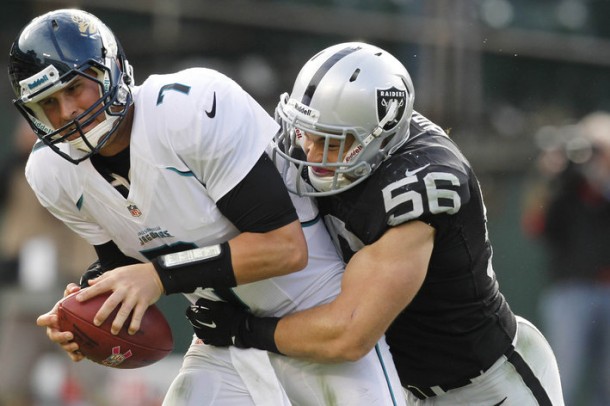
{"x":327,"y":183}
{"x":94,"y":135}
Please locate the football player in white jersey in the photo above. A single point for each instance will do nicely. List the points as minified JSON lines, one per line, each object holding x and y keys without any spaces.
{"x":171,"y":183}
{"x":405,"y":209}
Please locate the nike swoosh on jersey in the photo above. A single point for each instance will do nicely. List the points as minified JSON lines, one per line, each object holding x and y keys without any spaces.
{"x":414,"y":171}
{"x":502,"y":401}
{"x":209,"y":325}
{"x":212,"y":112}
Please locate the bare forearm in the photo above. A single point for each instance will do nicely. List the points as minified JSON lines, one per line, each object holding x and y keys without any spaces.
{"x":378,"y":283}
{"x":326,"y":338}
{"x":256,"y":256}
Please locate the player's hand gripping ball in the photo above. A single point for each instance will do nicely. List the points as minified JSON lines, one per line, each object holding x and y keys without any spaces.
{"x":151,"y":343}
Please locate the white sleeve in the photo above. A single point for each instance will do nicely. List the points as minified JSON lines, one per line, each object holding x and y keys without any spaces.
{"x":56,"y":190}
{"x":90,"y":231}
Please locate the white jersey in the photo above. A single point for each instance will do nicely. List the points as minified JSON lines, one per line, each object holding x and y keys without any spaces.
{"x":195,"y":136}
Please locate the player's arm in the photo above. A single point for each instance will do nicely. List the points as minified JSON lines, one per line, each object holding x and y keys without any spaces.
{"x":271,"y":243}
{"x":380,"y":280}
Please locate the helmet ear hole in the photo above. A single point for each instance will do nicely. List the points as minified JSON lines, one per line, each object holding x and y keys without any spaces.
{"x":127,"y":69}
{"x":387,"y":140}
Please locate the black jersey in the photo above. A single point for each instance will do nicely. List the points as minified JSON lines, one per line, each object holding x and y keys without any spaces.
{"x":459,"y":323}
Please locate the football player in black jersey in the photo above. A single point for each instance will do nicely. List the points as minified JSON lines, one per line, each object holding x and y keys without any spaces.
{"x":405,"y":209}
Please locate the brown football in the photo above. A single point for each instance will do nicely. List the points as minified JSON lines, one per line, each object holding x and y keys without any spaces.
{"x":150,"y":344}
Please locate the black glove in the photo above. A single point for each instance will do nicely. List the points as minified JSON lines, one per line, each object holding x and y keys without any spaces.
{"x":222,"y":324}
{"x":215,"y":322}
{"x":94,"y":270}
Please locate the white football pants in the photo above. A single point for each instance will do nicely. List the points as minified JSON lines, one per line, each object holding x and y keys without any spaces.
{"x":237,"y":377}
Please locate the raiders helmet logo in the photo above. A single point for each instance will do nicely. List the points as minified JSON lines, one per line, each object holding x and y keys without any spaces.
{"x":384,"y":97}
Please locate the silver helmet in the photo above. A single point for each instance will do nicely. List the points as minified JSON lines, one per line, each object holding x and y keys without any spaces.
{"x":347,"y":90}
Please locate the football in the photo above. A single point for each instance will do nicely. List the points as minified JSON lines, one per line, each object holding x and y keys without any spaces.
{"x":150,"y":344}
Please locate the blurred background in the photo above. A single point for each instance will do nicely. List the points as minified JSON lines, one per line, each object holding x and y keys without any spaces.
{"x":510,"y":80}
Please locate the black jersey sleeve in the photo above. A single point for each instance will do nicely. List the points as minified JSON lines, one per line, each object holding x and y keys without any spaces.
{"x":260,"y":202}
{"x":110,"y":256}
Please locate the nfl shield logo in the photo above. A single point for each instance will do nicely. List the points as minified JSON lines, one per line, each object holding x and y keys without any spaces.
{"x":384,"y":97}
{"x":133,"y":209}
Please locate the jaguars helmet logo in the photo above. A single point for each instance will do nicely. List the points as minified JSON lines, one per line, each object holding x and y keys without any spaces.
{"x":86,"y":26}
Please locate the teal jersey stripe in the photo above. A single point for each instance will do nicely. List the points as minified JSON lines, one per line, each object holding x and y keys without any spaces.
{"x":79,"y":202}
{"x":385,"y":372}
{"x":310,"y":222}
{"x":179,"y":172}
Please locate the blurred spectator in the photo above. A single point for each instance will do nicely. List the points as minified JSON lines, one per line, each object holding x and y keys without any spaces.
{"x":38,"y":256}
{"x":574,"y":221}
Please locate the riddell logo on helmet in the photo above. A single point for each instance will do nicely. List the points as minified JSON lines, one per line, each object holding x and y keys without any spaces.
{"x":29,"y":86}
{"x":303,"y":110}
{"x":41,"y":126}
{"x":34,"y":84}
{"x":354,"y":153}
